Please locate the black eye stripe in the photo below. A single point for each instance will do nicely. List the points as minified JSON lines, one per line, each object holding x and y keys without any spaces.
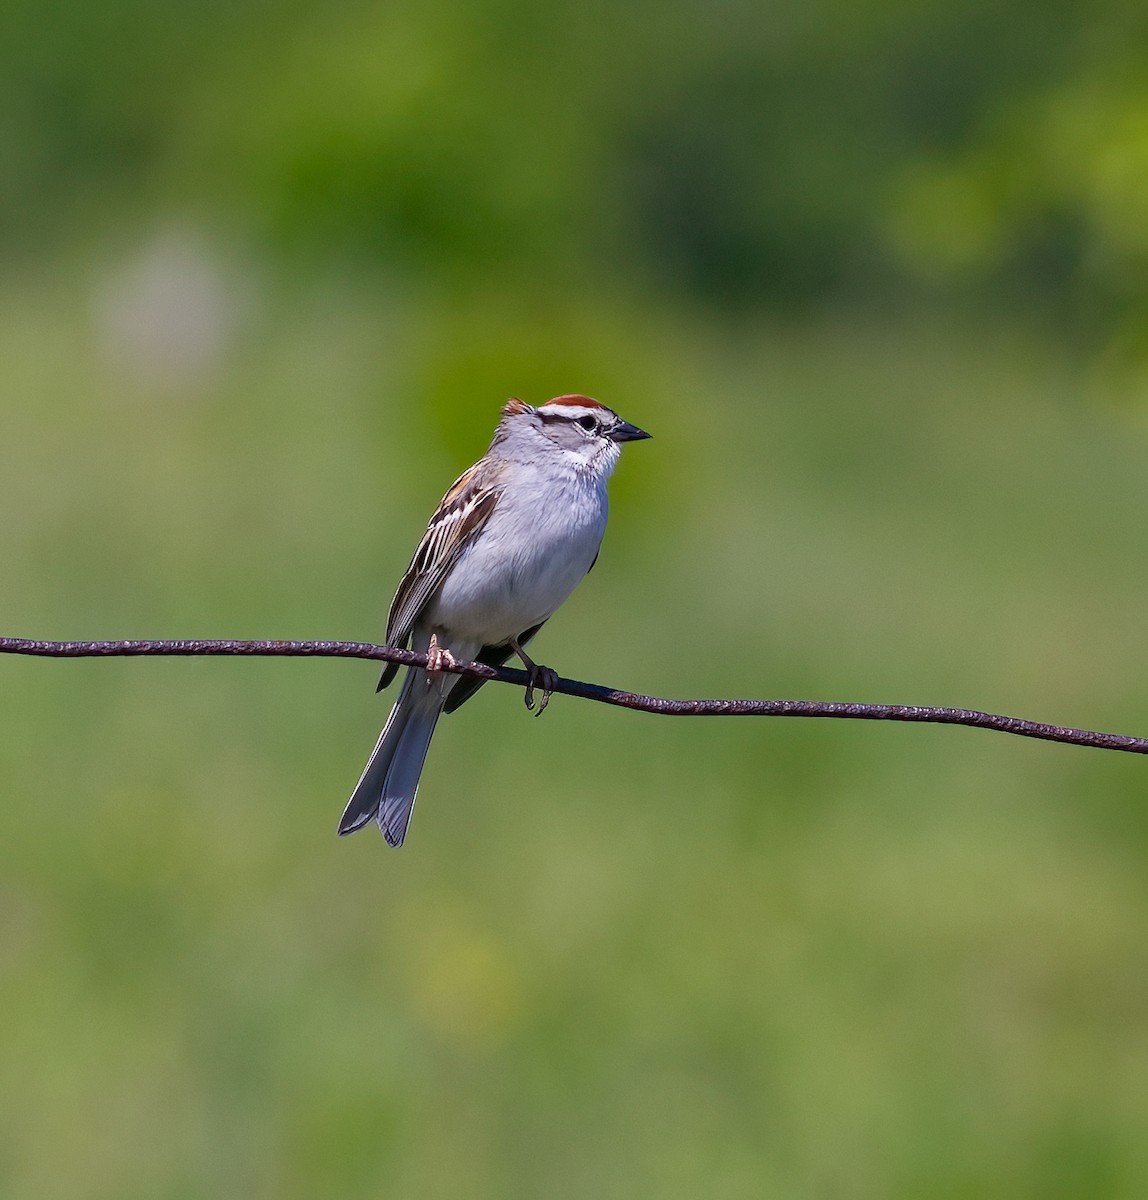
{"x":550,"y":418}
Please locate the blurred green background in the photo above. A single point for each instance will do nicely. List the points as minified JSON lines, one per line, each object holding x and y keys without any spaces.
{"x":874,"y":276}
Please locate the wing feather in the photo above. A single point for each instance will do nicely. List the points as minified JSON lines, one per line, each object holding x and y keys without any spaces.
{"x":461,"y":513}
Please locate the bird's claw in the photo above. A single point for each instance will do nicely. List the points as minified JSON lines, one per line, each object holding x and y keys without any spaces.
{"x":546,"y":680}
{"x":438,"y":657}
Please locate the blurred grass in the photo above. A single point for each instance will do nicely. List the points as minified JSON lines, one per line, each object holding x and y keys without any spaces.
{"x":620,"y":955}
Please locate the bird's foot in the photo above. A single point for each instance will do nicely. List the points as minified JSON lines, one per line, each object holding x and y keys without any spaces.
{"x":542,"y":678}
{"x":546,"y":680}
{"x":438,"y":657}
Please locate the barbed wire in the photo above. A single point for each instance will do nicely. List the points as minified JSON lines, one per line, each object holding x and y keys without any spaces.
{"x":659,"y":705}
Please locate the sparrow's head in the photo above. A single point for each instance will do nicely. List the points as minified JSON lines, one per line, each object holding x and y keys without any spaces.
{"x":578,"y":426}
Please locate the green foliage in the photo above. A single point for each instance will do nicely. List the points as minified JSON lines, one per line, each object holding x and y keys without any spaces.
{"x":793,"y":153}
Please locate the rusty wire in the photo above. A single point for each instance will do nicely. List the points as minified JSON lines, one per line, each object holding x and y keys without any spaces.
{"x":590,"y":691}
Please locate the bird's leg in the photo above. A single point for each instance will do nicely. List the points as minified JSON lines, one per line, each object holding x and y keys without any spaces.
{"x":539,"y":677}
{"x":437,"y":657}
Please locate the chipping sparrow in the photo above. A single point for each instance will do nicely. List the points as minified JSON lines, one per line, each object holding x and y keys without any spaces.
{"x":508,"y":543}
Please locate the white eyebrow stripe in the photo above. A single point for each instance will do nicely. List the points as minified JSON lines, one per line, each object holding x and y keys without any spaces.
{"x":572,"y":412}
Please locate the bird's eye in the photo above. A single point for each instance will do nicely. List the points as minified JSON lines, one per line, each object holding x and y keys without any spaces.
{"x":588,"y":423}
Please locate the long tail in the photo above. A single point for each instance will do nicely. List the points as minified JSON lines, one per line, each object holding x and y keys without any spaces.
{"x":387,"y":787}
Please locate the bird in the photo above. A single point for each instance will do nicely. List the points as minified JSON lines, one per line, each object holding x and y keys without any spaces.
{"x":508,"y":543}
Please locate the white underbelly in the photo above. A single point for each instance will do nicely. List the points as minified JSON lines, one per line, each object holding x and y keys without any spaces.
{"x":521,"y":567}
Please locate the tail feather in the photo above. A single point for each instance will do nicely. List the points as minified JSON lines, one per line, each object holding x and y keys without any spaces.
{"x":387,"y":787}
{"x":364,"y":801}
{"x":401,"y":784}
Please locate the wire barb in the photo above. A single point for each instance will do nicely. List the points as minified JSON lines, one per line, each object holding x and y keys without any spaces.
{"x":588,"y":691}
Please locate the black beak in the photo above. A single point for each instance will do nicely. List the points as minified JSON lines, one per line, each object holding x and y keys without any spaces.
{"x":625,"y":432}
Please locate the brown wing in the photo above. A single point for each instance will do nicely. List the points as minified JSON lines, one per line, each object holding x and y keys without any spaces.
{"x":461,"y":513}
